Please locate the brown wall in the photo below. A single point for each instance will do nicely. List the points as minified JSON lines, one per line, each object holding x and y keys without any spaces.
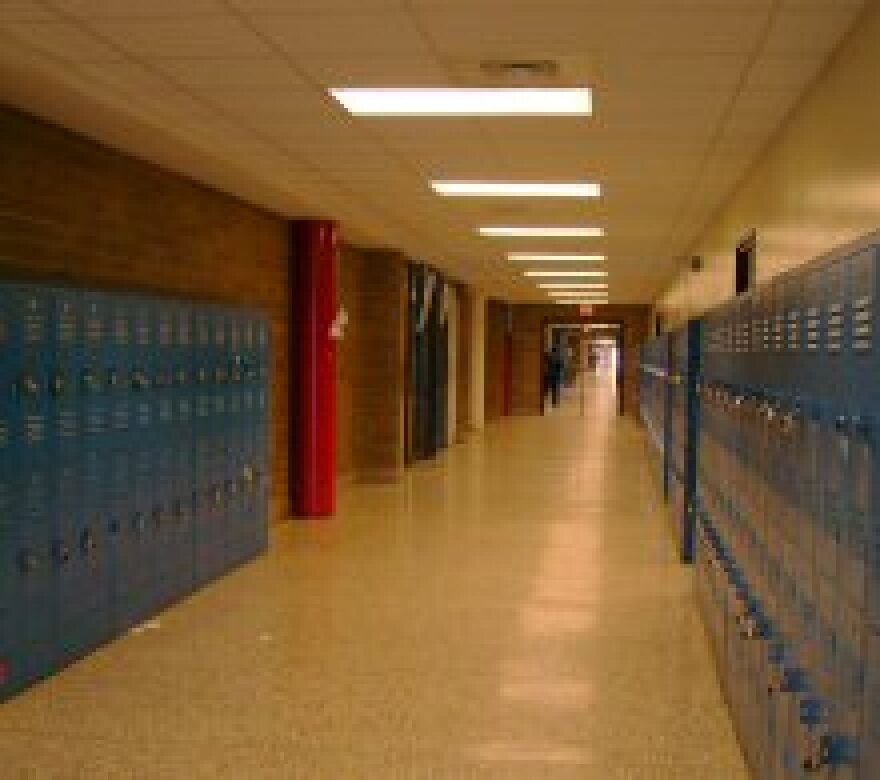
{"x":528,"y":349}
{"x":496,"y":324}
{"x":379,"y":392}
{"x":370,"y":365}
{"x":76,"y":211}
{"x":348,"y":278}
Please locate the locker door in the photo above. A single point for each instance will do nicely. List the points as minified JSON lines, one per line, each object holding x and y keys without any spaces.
{"x":80,"y":619}
{"x":120,"y":500}
{"x":35,"y":581}
{"x":183,"y":444}
{"x":91,"y":538}
{"x":209,"y":531}
{"x":165,"y":432}
{"x":264,"y":473}
{"x":136,"y":596}
{"x":12,"y":674}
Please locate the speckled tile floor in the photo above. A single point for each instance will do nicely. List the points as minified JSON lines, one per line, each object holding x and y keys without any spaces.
{"x":513,"y":610}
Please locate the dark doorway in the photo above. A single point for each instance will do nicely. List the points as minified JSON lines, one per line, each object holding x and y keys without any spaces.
{"x":745,"y":263}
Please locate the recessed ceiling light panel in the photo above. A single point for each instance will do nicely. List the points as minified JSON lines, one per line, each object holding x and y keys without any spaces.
{"x":514,"y":189}
{"x":564,"y":274}
{"x":445,"y":101}
{"x":527,"y":257}
{"x":574,"y":286}
{"x":521,"y":231}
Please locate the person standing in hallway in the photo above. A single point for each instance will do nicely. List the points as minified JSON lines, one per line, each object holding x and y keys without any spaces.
{"x":553,"y":368}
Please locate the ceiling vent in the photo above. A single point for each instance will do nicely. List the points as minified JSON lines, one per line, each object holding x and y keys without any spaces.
{"x":520,"y":72}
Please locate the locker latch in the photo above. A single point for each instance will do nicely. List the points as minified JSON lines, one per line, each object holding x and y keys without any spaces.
{"x":58,"y":384}
{"x":90,"y":381}
{"x":138,"y":523}
{"x":139,"y":380}
{"x":29,"y":386}
{"x":60,"y":553}
{"x":87,"y":544}
{"x":28,"y":561}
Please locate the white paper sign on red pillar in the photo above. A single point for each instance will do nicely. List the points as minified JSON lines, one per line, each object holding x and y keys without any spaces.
{"x":586,"y":310}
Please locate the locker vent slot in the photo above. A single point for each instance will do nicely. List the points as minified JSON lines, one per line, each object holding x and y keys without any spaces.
{"x":863,"y":324}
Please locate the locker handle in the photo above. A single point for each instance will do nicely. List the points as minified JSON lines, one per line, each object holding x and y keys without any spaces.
{"x":29,"y":386}
{"x":87,"y":544}
{"x":29,"y":562}
{"x":139,"y":381}
{"x":60,"y":553}
{"x":90,"y":381}
{"x":58,"y":384}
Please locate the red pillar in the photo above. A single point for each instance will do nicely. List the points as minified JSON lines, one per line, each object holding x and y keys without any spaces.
{"x":313,"y":368}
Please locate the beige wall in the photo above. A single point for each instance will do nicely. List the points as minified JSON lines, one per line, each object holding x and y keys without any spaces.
{"x":817,"y":185}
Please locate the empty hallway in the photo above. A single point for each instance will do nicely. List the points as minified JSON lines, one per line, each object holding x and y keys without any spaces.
{"x":514,"y":609}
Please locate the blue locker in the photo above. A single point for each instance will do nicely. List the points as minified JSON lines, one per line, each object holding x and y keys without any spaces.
{"x":83,"y":616}
{"x":119,"y":366}
{"x":12,"y":674}
{"x":132,"y":465}
{"x":208,"y":499}
{"x":165,"y":431}
{"x":34,"y":620}
{"x":182,"y":439}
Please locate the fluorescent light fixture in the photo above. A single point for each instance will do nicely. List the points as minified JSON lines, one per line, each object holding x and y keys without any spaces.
{"x":519,"y":231}
{"x":577,"y":291}
{"x":573,"y":286}
{"x":514,"y":189}
{"x":526,"y":257}
{"x":575,"y":295}
{"x":567,"y":274}
{"x":446,"y":101}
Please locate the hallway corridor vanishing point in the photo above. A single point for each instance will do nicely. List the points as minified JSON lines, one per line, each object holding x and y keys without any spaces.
{"x":513,"y":610}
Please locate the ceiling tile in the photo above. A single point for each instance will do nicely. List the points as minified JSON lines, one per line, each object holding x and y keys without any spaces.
{"x":62,"y":40}
{"x":343,"y":70}
{"x":232,"y":72}
{"x":812,"y":29}
{"x":783,"y":72}
{"x":206,"y":36}
{"x":137,"y":9}
{"x":25,"y":11}
{"x":306,"y":6}
{"x":382,"y":33}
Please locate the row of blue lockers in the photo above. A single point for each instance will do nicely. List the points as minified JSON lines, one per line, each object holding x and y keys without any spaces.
{"x":669,"y":368}
{"x":788,"y":571}
{"x":133,"y":463}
